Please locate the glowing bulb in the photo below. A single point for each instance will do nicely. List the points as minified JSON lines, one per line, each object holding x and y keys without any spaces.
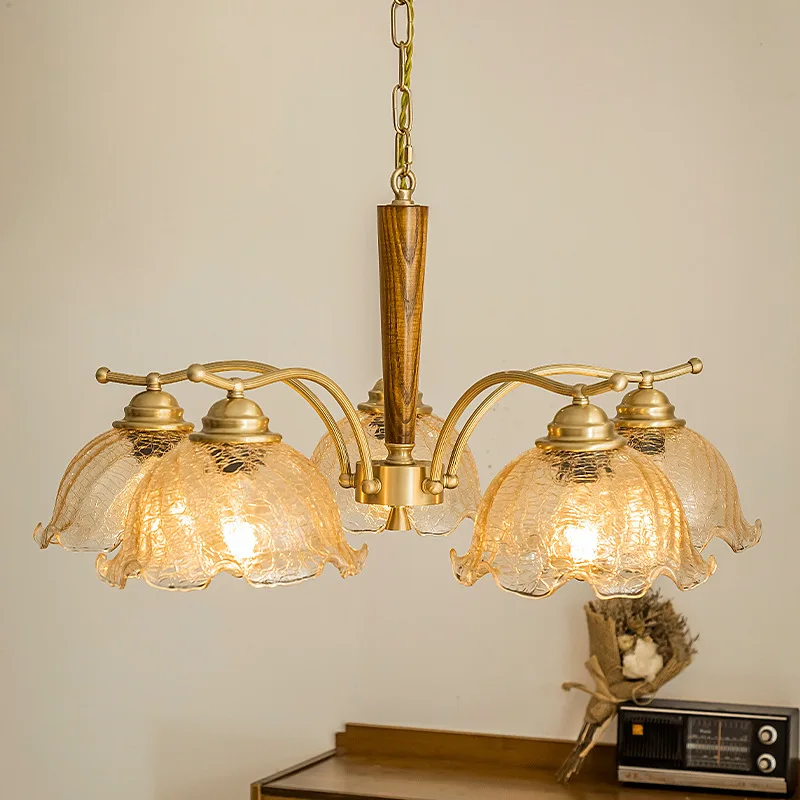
{"x":582,"y":541}
{"x":240,"y":538}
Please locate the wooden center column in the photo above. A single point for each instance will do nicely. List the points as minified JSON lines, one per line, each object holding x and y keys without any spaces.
{"x":402,"y":243}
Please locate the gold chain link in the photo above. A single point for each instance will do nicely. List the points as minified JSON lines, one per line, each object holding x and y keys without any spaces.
{"x":403,"y":178}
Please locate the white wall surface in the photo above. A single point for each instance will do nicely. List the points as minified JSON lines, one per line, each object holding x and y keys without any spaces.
{"x":186,"y":180}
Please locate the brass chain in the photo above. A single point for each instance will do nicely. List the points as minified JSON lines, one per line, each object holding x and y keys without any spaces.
{"x":403,"y":179}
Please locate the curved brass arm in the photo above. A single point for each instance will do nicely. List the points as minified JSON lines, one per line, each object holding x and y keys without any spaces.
{"x":104,"y":375}
{"x":693,"y":366}
{"x":198,"y":373}
{"x":615,"y":381}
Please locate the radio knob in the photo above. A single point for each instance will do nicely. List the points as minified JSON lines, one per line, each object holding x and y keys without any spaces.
{"x":767,"y":734}
{"x":766,"y":763}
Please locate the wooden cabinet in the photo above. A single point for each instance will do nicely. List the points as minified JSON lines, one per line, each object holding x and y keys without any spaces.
{"x":378,"y":763}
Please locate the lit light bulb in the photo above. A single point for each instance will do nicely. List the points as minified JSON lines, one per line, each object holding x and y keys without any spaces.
{"x":582,"y":542}
{"x":240,"y":538}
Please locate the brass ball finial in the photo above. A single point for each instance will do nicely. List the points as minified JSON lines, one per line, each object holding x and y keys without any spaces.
{"x":432,"y":487}
{"x":196,"y":373}
{"x":101,"y":376}
{"x":618,"y":382}
{"x":153,"y":382}
{"x":697,"y":365}
{"x":371,"y":486}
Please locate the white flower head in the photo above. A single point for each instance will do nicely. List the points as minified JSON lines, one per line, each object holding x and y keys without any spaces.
{"x":626,"y":642}
{"x":643,"y":661}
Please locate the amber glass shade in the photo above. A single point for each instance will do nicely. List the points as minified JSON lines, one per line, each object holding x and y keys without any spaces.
{"x":610,"y":518}
{"x":458,"y":504}
{"x":703,"y":481}
{"x":260,"y":511}
{"x":94,"y":495}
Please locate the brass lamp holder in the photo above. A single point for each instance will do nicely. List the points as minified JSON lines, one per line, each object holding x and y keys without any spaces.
{"x":236,"y":420}
{"x":376,"y":402}
{"x":648,"y":407}
{"x":581,"y":428}
{"x":150,"y":410}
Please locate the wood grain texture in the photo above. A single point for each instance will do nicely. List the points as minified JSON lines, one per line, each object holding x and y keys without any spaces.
{"x":473,"y":748}
{"x":394,"y":779}
{"x":402,"y":243}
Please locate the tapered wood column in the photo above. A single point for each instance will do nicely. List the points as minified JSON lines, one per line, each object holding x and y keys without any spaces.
{"x":402,"y":242}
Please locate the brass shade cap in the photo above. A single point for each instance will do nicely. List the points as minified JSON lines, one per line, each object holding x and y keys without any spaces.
{"x":153,"y":410}
{"x":375,"y":403}
{"x":235,"y":420}
{"x":581,"y":427}
{"x":647,"y":408}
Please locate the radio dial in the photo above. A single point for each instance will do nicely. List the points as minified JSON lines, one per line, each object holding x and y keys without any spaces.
{"x":767,"y":734}
{"x":766,"y":763}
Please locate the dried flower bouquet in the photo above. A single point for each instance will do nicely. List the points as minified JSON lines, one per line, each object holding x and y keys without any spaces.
{"x":636,"y":646}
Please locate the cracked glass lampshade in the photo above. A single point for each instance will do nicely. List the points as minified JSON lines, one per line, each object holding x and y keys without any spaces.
{"x":255,"y":508}
{"x":458,"y":504}
{"x":95,"y":493}
{"x":701,"y":476}
{"x":581,"y":505}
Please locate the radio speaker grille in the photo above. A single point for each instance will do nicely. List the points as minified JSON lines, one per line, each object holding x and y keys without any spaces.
{"x":654,"y":740}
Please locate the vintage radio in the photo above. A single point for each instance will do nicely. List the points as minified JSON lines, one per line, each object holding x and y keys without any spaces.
{"x":732,"y":748}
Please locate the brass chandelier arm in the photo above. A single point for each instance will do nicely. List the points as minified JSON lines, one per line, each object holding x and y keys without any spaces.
{"x":692,"y":366}
{"x":197,"y":373}
{"x":155,"y":379}
{"x":616,"y":381}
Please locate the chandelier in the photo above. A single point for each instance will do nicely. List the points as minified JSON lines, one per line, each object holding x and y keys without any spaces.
{"x":612,"y":502}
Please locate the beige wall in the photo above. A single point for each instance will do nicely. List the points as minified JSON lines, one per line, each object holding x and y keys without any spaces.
{"x":183,"y":180}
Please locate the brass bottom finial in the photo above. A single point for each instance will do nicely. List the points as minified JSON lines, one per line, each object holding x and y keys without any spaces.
{"x":398,"y":519}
